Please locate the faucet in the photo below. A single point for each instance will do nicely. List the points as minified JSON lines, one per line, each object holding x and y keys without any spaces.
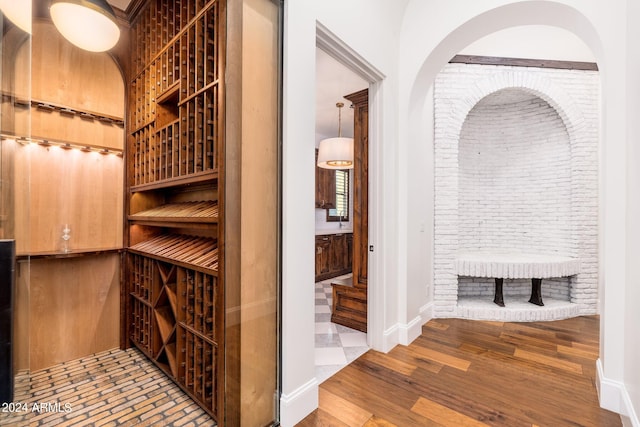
{"x":340,"y":215}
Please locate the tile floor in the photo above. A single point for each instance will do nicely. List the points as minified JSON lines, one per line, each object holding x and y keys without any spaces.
{"x":336,"y":345}
{"x":112,"y":388}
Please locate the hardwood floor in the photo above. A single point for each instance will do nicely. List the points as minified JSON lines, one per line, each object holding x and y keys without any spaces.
{"x":473,"y":373}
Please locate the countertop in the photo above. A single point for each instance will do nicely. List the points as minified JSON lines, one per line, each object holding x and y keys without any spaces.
{"x":324,"y":232}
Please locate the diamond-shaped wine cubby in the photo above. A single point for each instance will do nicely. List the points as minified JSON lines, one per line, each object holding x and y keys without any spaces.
{"x":164,"y":309}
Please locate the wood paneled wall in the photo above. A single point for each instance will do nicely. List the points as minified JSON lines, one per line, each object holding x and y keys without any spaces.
{"x":61,"y":72}
{"x":66,"y":307}
{"x":71,"y":187}
{"x":54,"y":186}
{"x":74,"y":308}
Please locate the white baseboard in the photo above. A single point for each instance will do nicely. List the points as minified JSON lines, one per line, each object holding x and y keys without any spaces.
{"x":615,"y":397}
{"x":412,"y":330}
{"x":390,"y":338}
{"x":629,"y":410}
{"x":298,"y":404}
{"x":409,"y":331}
{"x":426,"y":312}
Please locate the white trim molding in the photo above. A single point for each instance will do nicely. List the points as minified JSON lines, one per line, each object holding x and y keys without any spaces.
{"x":407,"y":332}
{"x":343,"y":53}
{"x":426,"y":312}
{"x":299,"y":403}
{"x":614,"y":397}
{"x":390,"y":338}
{"x":377,"y":337}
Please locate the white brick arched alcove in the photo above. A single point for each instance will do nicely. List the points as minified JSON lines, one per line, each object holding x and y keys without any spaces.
{"x":516,"y":169}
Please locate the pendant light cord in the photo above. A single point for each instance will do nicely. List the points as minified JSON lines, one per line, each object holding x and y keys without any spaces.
{"x":339,"y":105}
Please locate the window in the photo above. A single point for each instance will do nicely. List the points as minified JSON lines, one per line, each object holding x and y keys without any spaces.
{"x":341,"y":212}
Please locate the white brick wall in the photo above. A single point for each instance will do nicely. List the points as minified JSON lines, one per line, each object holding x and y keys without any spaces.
{"x":516,"y":167}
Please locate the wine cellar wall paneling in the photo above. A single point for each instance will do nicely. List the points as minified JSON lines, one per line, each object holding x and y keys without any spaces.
{"x":174,"y":151}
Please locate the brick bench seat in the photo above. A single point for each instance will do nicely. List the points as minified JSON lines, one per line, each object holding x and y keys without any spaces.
{"x":515,"y":265}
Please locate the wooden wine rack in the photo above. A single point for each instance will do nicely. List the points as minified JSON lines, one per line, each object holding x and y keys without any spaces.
{"x":193,"y":251}
{"x":175,"y":293}
{"x":174,"y":322}
{"x":195,"y":214}
{"x":175,"y":96}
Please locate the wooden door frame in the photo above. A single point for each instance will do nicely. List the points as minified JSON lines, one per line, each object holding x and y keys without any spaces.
{"x":340,"y":51}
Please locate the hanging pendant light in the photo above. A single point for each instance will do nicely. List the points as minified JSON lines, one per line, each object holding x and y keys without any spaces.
{"x":336,"y":153}
{"x":18,"y":12}
{"x":89,"y":24}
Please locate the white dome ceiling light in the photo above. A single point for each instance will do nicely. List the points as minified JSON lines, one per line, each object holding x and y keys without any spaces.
{"x":18,"y":12}
{"x":89,"y":24}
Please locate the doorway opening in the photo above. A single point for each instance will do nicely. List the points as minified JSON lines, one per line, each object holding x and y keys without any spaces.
{"x":343,"y":76}
{"x":340,"y":333}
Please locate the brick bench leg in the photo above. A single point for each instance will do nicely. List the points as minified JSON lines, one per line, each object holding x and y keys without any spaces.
{"x":498,"y":298}
{"x":536,"y":292}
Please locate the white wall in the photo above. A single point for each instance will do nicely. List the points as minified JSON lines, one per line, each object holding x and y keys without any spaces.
{"x":368,"y":30}
{"x":435,"y":31}
{"x":631,"y":378}
{"x":410,"y":56}
{"x":299,"y":386}
{"x":532,"y":41}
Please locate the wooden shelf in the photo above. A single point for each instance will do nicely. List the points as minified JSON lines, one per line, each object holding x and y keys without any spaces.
{"x":74,"y":253}
{"x":196,"y":178}
{"x":166,"y":322}
{"x":166,"y":359}
{"x":65,"y":109}
{"x":170,"y":95}
{"x":170,"y":289}
{"x":170,"y":350}
{"x":141,"y":299}
{"x":191,"y":251}
{"x":198,"y":334}
{"x":142,"y":125}
{"x":180,"y":213}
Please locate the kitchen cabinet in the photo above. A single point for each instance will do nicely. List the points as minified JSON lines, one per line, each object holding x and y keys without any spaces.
{"x":339,"y":258}
{"x":350,"y":300}
{"x":325,"y":187}
{"x":323,"y":249}
{"x":332,"y":255}
{"x":360,"y":102}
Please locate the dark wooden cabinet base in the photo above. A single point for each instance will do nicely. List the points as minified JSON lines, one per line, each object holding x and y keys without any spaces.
{"x":333,"y":255}
{"x":349,"y":306}
{"x":332,"y":274}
